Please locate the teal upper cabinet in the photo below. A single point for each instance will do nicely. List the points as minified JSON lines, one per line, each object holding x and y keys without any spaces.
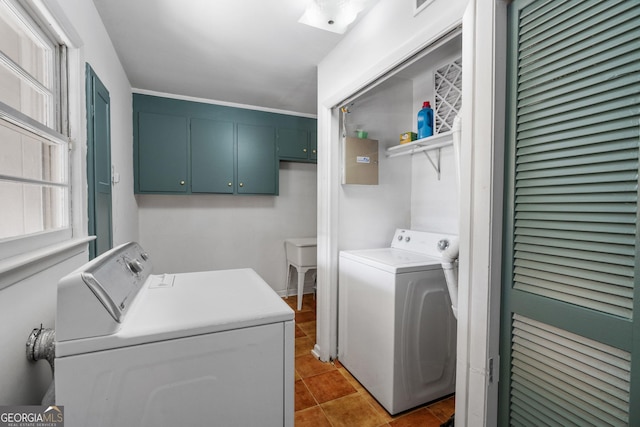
{"x":257,"y":160}
{"x":217,"y":168}
{"x":212,"y":156}
{"x":313,"y":146}
{"x":293,"y":144}
{"x":184,"y":147}
{"x":162,"y":153}
{"x":298,"y":145}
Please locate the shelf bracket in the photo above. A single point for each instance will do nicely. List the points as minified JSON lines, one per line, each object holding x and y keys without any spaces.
{"x":436,"y":164}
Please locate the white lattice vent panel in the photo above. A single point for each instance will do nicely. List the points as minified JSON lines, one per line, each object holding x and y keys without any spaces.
{"x":448,"y":90}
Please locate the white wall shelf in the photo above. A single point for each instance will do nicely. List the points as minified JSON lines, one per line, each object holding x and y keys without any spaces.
{"x":424,"y":145}
{"x":420,"y":145}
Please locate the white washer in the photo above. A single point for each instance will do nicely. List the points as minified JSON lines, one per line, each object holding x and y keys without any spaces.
{"x":191,"y":349}
{"x":396,"y":330}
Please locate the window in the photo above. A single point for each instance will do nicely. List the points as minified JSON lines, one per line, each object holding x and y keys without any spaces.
{"x":420,"y":5}
{"x":34,"y":159}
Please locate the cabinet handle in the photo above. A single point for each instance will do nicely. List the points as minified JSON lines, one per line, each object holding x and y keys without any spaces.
{"x":229,"y":184}
{"x":181,"y":182}
{"x":304,"y":150}
{"x":314,"y":151}
{"x":241,"y":185}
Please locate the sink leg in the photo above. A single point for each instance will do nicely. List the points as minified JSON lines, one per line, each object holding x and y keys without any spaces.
{"x":288,"y":280}
{"x":301,"y":273}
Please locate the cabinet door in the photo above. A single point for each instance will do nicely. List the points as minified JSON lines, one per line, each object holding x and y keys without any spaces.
{"x":293,"y":144}
{"x":313,"y":146}
{"x":162,"y":153}
{"x":211,"y":156}
{"x":257,"y":160}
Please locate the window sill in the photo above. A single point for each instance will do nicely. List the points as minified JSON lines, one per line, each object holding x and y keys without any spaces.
{"x":19,"y":267}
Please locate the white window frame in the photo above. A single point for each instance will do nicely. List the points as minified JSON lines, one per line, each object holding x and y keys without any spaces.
{"x":420,"y":5}
{"x":25,"y":255}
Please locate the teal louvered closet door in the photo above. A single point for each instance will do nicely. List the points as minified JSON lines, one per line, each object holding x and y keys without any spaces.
{"x":570,"y":343}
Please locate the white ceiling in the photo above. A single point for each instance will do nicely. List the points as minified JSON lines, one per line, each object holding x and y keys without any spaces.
{"x":251,"y":52}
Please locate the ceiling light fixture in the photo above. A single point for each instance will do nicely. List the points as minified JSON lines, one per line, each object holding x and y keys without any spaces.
{"x":332,"y":15}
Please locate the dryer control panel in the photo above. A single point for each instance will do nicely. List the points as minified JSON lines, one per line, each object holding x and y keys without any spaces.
{"x":422,"y":242}
{"x":94,"y":299}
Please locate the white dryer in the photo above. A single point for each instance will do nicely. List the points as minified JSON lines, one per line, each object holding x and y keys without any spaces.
{"x":396,"y":330}
{"x":191,"y":349}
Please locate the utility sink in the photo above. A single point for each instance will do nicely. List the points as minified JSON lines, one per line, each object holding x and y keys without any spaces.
{"x":301,"y":254}
{"x":302,"y":251}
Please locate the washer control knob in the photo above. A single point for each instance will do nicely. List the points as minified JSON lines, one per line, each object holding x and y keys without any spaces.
{"x":144,"y":256}
{"x":407,"y":239}
{"x":443,"y":245}
{"x":135,"y":266}
{"x":400,"y":238}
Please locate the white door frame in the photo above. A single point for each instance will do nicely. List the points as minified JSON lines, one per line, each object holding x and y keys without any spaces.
{"x":484,"y":35}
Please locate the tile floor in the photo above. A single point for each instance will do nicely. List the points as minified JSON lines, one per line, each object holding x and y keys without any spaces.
{"x":327,"y":395}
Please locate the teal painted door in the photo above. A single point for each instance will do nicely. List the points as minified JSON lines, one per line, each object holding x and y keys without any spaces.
{"x":98,"y":164}
{"x":212,"y":156}
{"x":257,"y":171}
{"x":293,"y":144}
{"x":162,"y":153}
{"x":570,"y":344}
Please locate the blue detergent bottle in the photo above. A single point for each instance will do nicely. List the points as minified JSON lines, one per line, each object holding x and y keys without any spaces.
{"x":425,"y":121}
